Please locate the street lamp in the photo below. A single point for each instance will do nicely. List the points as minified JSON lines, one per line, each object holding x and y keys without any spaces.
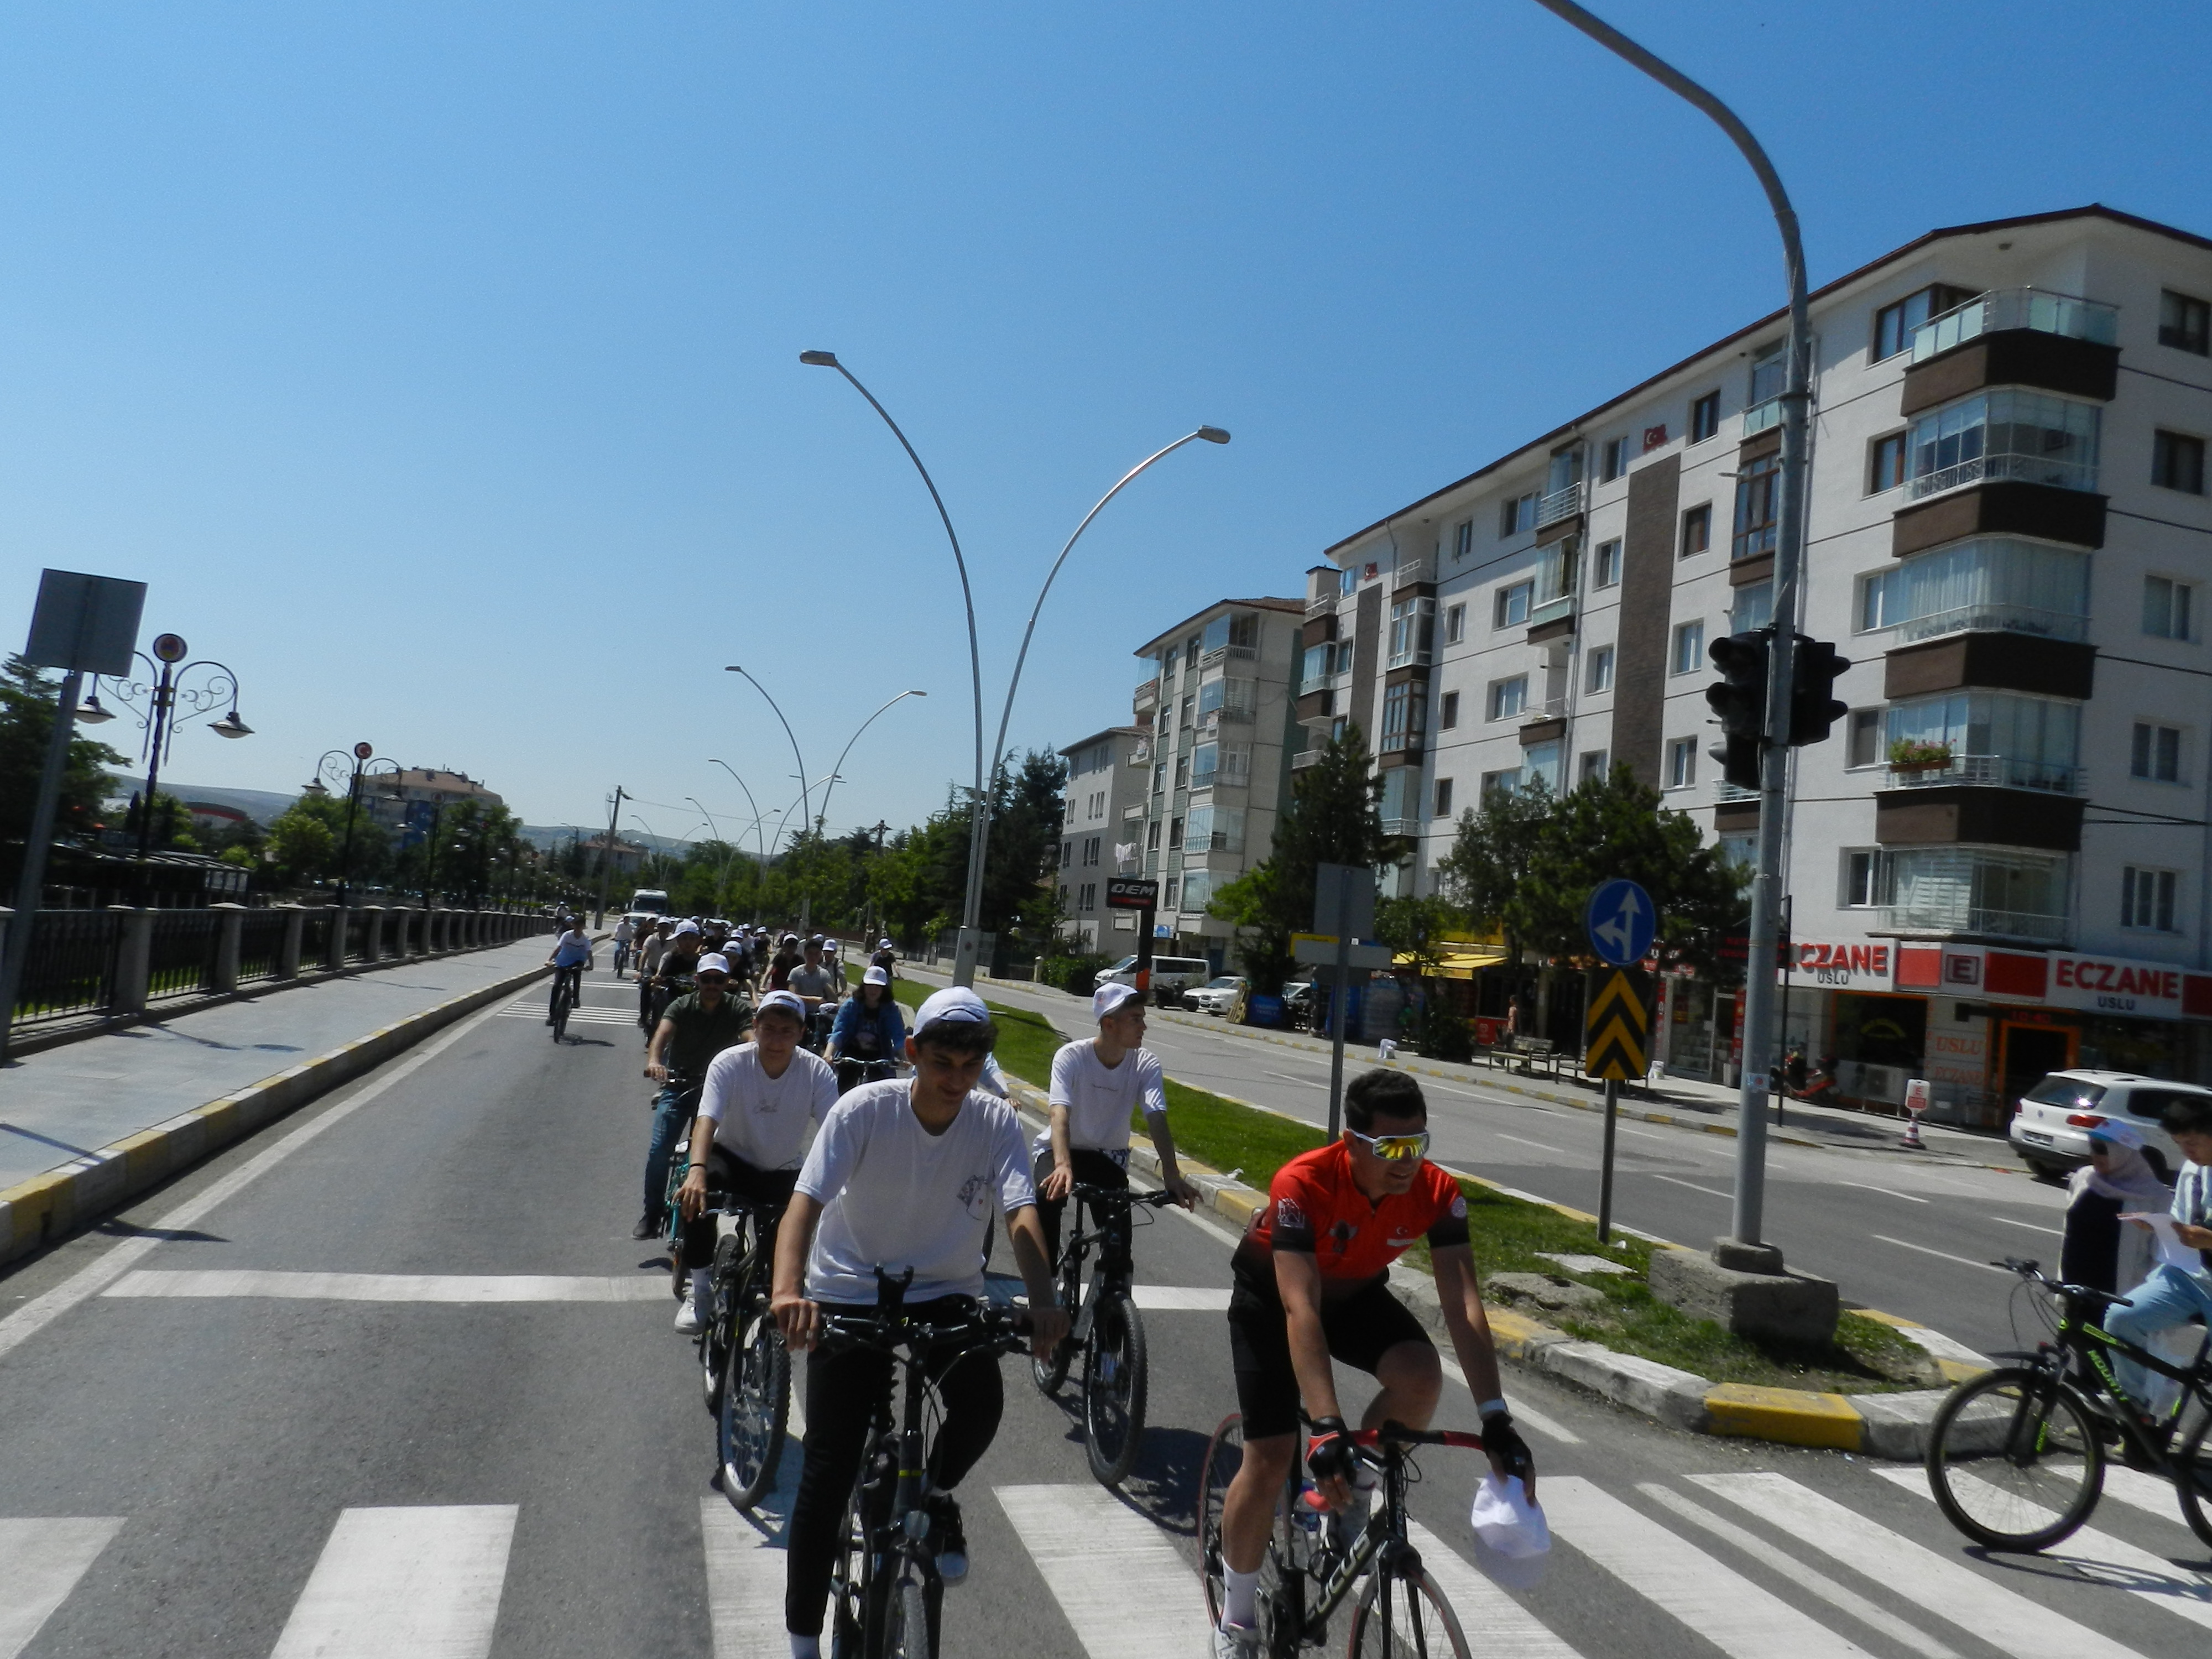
{"x":163,"y":703}
{"x":823,"y":818}
{"x":340,"y":765}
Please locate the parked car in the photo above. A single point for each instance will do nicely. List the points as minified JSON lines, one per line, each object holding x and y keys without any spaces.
{"x":1217,"y":995}
{"x":2052,"y":1122}
{"x":1171,"y":976}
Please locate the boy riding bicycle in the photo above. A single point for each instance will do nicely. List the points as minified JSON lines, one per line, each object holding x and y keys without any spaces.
{"x":572,"y":954}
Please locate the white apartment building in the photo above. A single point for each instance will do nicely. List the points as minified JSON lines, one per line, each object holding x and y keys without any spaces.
{"x":1218,"y":705}
{"x":2009,"y":537}
{"x":1103,"y":808}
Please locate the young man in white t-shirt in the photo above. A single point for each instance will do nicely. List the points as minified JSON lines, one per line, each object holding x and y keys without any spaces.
{"x":1097,"y":1085}
{"x":903,"y":1175}
{"x":754,"y":1107}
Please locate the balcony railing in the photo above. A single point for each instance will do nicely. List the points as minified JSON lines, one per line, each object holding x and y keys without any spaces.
{"x":1551,"y":610}
{"x":2022,"y":469}
{"x":1304,"y":758}
{"x":1147,"y":692}
{"x":1759,"y":417}
{"x":1994,"y":618}
{"x":1559,"y":504}
{"x":1409,"y":571}
{"x":1725,"y":791}
{"x":2036,"y":308}
{"x":1394,"y":743}
{"x":1541,"y":709}
{"x":1991,"y":771}
{"x":1939,"y":917}
{"x":1401,"y":826}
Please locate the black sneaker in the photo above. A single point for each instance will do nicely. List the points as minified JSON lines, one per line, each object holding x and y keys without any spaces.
{"x":648,"y":1226}
{"x":951,"y":1541}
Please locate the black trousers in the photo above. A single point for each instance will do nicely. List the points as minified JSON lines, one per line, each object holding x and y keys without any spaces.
{"x":1091,"y":1167}
{"x":841,"y":1389}
{"x":767,"y":1190}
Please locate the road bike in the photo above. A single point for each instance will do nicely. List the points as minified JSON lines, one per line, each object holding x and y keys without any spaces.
{"x":885,"y":1592}
{"x":567,"y":992}
{"x":744,"y":1368}
{"x":1310,"y":1570}
{"x":2016,"y":1456}
{"x":1105,"y":1328}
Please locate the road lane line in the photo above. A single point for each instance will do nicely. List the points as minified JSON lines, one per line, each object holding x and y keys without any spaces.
{"x":1182,"y":1298}
{"x":1788,"y":1566}
{"x":1738,"y":1617}
{"x":1543,"y":1146}
{"x":1709,"y":1191}
{"x":391,"y":1287}
{"x":2030,"y":1226}
{"x":421,"y":1582}
{"x":1943,"y":1255}
{"x":1524,"y":1415}
{"x":1887,"y":1192}
{"x":1123,"y":1585}
{"x":1503,"y":1629}
{"x":44,"y":1558}
{"x":2143,"y":1491}
{"x":746,"y":1567}
{"x":1938,"y":1583}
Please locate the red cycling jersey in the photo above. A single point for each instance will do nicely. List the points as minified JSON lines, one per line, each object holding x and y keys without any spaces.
{"x":1314,"y":1207}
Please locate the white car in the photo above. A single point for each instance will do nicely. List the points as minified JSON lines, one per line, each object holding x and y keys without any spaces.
{"x":1217,"y":996}
{"x":1171,"y":976}
{"x":2053,"y":1121}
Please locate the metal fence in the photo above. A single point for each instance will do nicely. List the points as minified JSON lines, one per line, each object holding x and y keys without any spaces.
{"x":70,"y":968}
{"x":261,"y":943}
{"x":180,"y":955}
{"x":315,"y":938}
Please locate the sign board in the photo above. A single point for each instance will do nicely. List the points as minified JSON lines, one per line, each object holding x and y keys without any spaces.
{"x":1917,"y":1097}
{"x":1863,"y":965}
{"x":1132,"y":893}
{"x":1344,"y":900}
{"x":1617,"y":1044}
{"x":1319,"y":949}
{"x":2059,"y":979}
{"x":89,"y":623}
{"x":1621,"y":921}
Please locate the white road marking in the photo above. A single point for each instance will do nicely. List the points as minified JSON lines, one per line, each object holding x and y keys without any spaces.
{"x":419,"y":1582}
{"x":2143,"y":1491}
{"x":1541,"y":1145}
{"x":393,"y":1287}
{"x":1720,"y":1604}
{"x":2032,"y":1227}
{"x":1709,"y":1191}
{"x":2002,"y":1618}
{"x":1182,"y":1298}
{"x":1887,"y":1192}
{"x":1788,"y":1566}
{"x":44,"y":1558}
{"x":1123,"y":1585}
{"x":1525,"y":1415}
{"x":1506,"y":1629}
{"x":746,"y":1567}
{"x":1943,"y":1255}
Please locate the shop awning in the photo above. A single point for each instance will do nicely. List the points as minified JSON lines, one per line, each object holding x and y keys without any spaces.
{"x":1458,"y":965}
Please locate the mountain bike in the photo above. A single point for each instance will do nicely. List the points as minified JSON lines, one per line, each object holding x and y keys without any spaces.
{"x":567,"y":992}
{"x":744,"y":1369}
{"x":885,"y":1592}
{"x":2016,"y":1456}
{"x":1105,"y":1328}
{"x":1308,"y":1572}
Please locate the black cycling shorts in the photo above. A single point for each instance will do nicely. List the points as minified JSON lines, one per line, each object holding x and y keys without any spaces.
{"x":1361,"y":1329}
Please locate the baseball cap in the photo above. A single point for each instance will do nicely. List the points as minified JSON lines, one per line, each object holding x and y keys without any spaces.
{"x":955,"y":1005}
{"x":875,"y":976}
{"x":687,"y":928}
{"x":788,"y":1001}
{"x":2120,"y":1135}
{"x":1108,"y":998}
{"x":712,"y":962}
{"x":883,"y":945}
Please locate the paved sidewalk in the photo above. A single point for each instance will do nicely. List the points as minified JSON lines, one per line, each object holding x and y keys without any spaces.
{"x":66,"y":1103}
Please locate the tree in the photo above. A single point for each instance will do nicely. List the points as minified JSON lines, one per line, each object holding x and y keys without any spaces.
{"x":303,"y":844}
{"x":27,"y":699}
{"x":1486,"y":871}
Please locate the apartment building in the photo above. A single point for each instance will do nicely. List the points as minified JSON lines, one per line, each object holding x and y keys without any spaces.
{"x":1998,"y":866}
{"x":1102,"y":813}
{"x":1218,"y":706}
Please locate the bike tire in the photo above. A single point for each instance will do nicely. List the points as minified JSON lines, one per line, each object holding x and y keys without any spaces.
{"x":1115,"y":1378}
{"x":755,"y":1414}
{"x":2014,"y":1459}
{"x":725,"y":1319}
{"x":1049,"y":1374}
{"x":848,"y":1587}
{"x":911,"y":1617}
{"x":1402,"y":1614}
{"x":1224,"y":1455}
{"x":560,"y":1015}
{"x":2192,"y":1479}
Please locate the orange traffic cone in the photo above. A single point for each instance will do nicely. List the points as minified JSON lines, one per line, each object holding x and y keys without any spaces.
{"x":1912,"y":1142}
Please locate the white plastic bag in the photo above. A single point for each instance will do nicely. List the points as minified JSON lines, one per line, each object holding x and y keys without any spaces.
{"x":1506,"y":1521}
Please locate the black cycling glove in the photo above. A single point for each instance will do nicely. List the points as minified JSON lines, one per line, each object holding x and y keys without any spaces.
{"x":1328,"y":1453}
{"x":1503,"y":1443}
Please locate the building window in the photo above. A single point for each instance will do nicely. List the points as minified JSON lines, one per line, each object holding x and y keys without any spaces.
{"x":1197,"y":889}
{"x":1865,"y":739}
{"x":1191,"y":648}
{"x":1591,"y":768}
{"x":2167,"y":605}
{"x":2157,"y":753}
{"x":1885,"y":463}
{"x":1878,"y":600}
{"x":1515,"y":515}
{"x":2005,"y":433}
{"x":1067,"y":854}
{"x":1443,"y":798}
{"x":2147,"y":899}
{"x":1862,"y":878}
{"x":1513,"y":603}
{"x":1697,"y":529}
{"x":1455,"y":624}
{"x":1758,"y":503}
{"x":1508,"y":697}
{"x":1175,"y":834}
{"x":1244,"y":632}
{"x":1605,"y":565}
{"x":1183,"y":771}
{"x":1189,"y":709}
{"x":1501,"y":783}
{"x":1448,"y":711}
{"x":1463,"y":539}
{"x":1405,"y":715}
{"x":1689,"y":647}
{"x":1682,"y":763}
{"x":1599,"y":677}
{"x":1893,"y":323}
{"x":1413,"y":630}
{"x":1751,"y":608}
{"x":2183,"y":323}
{"x":1705,"y":417}
{"x":2177,"y":462}
{"x":1159,"y":776}
{"x":1152,"y":837}
{"x":1612,"y":459}
{"x":1090,"y":900}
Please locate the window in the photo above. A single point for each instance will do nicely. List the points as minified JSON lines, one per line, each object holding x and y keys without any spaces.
{"x":2183,"y":323}
{"x":1175,"y":834}
{"x":2157,"y":753}
{"x":1697,"y":529}
{"x":1413,"y":630}
{"x":1862,"y":878}
{"x":1508,"y":697}
{"x":1401,"y":800}
{"x":1605,"y":567}
{"x":1190,"y":650}
{"x":1599,"y":677}
{"x":1557,"y":567}
{"x":1205,"y":762}
{"x":1090,"y":900}
{"x":1182,"y":772}
{"x":1347,"y":581}
{"x":1539,"y":763}
{"x":1516,"y":516}
{"x":1751,"y":608}
{"x":1152,"y":837}
{"x":1738,"y":852}
{"x":1214,"y":829}
{"x":2177,"y":462}
{"x":2004,"y":434}
{"x":1463,"y":539}
{"x":1705,"y":417}
{"x":1591,"y":768}
{"x":1448,"y":711}
{"x":1991,"y":582}
{"x":1189,"y":709}
{"x":2167,"y":605}
{"x":1405,"y":715}
{"x":1091,"y":849}
{"x":1197,"y":889}
{"x":1513,"y":603}
{"x":1885,"y":463}
{"x":1994,"y":736}
{"x":1067,"y":854}
{"x":1689,"y":647}
{"x":1612,"y":459}
{"x":1501,"y":783}
{"x":1893,"y":323}
{"x":2147,"y":899}
{"x":1443,"y":798}
{"x":1865,"y":739}
{"x":1244,"y":633}
{"x":1159,"y":776}
{"x":1455,"y":624}
{"x":1682,"y":763}
{"x":1770,"y":369}
{"x":1758,"y":507}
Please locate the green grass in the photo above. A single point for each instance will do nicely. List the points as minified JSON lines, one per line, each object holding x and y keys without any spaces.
{"x":1027,"y":1041}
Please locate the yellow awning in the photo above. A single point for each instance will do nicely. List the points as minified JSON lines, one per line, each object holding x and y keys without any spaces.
{"x":1458,"y":965}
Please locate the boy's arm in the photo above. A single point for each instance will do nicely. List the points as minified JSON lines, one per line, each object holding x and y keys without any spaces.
{"x":1156,"y":1120}
{"x":1048,"y":1319}
{"x":799,"y":1319}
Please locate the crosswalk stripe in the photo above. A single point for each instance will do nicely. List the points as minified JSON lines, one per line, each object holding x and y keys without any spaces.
{"x":417,"y":1583}
{"x":1182,"y":1298}
{"x":1720,"y":1604}
{"x":2143,"y":1491}
{"x":588,"y":1016}
{"x":1998,"y":1616}
{"x":44,"y":1558}
{"x":2100,"y":1557}
{"x":746,"y":1568}
{"x":391,"y":1287}
{"x":1095,"y":1553}
{"x":1508,"y":1629}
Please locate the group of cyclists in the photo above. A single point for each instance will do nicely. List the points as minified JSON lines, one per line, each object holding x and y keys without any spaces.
{"x":916,"y":1151}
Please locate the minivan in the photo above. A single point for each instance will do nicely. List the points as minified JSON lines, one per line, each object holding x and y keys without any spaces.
{"x":1171,"y":976}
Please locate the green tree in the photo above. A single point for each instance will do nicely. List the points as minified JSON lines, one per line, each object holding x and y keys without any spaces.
{"x":27,"y":698}
{"x":1486,"y":871}
{"x":303,"y":844}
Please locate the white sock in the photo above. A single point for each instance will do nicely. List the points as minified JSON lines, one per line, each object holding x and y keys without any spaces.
{"x":805,"y":1647}
{"x":701,"y":1278}
{"x":1242,"y":1602}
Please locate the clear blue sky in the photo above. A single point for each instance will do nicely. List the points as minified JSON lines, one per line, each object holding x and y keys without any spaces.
{"x":437,"y":364}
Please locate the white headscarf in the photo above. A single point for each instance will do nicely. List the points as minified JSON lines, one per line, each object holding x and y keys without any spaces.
{"x":2127,"y":1175}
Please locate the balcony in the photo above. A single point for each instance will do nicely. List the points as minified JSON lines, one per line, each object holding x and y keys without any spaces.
{"x":1148,"y":695}
{"x":1304,"y":758}
{"x":1994,"y":619}
{"x":1401,"y":826}
{"x":1413,"y":572}
{"x":1762,"y":418}
{"x":1559,"y":504}
{"x":2039,"y":310}
{"x":1949,"y":920}
{"x":1725,"y":792}
{"x":1551,"y":610}
{"x":1403,"y":747}
{"x":1991,"y":772}
{"x":2080,"y":476}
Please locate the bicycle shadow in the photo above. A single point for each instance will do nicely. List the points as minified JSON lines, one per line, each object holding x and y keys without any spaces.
{"x":1162,"y":1484}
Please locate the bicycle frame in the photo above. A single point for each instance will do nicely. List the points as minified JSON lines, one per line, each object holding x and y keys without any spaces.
{"x":1114,"y":1238}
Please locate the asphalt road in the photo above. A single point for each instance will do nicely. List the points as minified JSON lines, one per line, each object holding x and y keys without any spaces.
{"x":272,"y":1466}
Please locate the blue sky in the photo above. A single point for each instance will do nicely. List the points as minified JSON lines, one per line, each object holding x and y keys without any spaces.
{"x":437,"y":364}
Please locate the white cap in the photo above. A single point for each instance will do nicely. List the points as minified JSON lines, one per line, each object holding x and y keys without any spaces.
{"x":787,"y":1002}
{"x":875,"y":976}
{"x":683,"y":928}
{"x":954,"y":1005}
{"x":712,"y":962}
{"x":883,"y":945}
{"x":1108,"y":997}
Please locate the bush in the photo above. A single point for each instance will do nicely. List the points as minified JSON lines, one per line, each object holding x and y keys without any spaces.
{"x":1075,"y":975}
{"x":1442,"y":1034}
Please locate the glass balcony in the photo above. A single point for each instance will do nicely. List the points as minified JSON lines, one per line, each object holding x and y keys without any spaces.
{"x":1553,"y":610}
{"x":1988,"y":618}
{"x":1537,"y":710}
{"x":1990,"y":771}
{"x":1401,"y":826}
{"x":1147,"y":694}
{"x":1559,"y":504}
{"x":2040,"y":309}
{"x":1761,"y":417}
{"x":2006,"y":433}
{"x":1945,"y":918}
{"x":1304,"y":758}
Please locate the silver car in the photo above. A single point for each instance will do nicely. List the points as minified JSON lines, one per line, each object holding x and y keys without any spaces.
{"x":1217,"y":996}
{"x":2053,"y":1121}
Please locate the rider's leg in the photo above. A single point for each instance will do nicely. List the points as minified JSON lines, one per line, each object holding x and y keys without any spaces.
{"x":1048,"y":1209}
{"x":670,"y":1118}
{"x":841,"y":1389}
{"x":1248,"y":1512}
{"x":2168,"y":1298}
{"x":974,"y":1397}
{"x":1412,"y":1379}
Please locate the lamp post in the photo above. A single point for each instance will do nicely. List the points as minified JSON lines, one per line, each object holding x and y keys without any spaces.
{"x":1746,"y":1248}
{"x":823,"y":817}
{"x":162,"y":703}
{"x":759,"y":817}
{"x":340,"y":765}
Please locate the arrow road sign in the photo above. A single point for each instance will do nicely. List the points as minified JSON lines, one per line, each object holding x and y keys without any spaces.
{"x":1617,"y":1046}
{"x":1620,"y":921}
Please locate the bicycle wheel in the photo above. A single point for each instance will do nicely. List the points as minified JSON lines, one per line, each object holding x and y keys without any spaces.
{"x":1282,"y":1570}
{"x":848,"y":1583}
{"x":1114,"y":1379}
{"x":1049,"y":1374}
{"x":560,"y":1011}
{"x":1405,"y":1617}
{"x":2014,"y":1459}
{"x":910,"y":1616}
{"x":1224,"y":1455}
{"x":724,"y":1319}
{"x":2192,"y":1476}
{"x":755,"y":1411}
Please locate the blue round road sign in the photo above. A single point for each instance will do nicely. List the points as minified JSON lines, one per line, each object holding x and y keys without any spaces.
{"x":1620,"y":921}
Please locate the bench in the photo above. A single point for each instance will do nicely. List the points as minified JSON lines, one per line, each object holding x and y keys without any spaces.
{"x":1524,"y":1053}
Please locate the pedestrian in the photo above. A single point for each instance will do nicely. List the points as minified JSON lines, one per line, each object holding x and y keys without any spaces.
{"x":2096,"y":1249}
{"x":1513,"y":1018}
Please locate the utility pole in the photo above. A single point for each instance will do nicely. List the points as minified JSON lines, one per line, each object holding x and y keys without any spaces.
{"x":607,"y":857}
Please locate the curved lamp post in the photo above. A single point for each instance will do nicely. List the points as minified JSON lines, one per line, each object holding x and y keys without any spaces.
{"x":733,"y":669}
{"x":162,"y":703}
{"x":348,"y":766}
{"x":823,"y":817}
{"x":758,"y":814}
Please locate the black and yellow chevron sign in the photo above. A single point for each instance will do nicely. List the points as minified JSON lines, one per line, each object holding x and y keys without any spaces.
{"x":1618,"y":1041}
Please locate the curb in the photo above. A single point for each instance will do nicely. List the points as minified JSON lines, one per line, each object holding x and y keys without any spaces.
{"x":48,"y":1207}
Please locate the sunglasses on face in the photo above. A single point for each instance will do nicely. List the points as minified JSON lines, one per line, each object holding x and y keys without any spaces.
{"x":1395,"y":1148}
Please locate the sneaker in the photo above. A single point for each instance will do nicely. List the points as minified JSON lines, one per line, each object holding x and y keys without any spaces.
{"x":951,"y":1539}
{"x":1235,"y":1642}
{"x":687,"y":1320}
{"x":648,"y":1226}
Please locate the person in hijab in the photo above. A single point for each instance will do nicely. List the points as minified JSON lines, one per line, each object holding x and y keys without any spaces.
{"x":2096,"y":1249}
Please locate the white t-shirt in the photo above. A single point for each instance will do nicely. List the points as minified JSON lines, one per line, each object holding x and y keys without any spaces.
{"x":762,"y":1119}
{"x":896,"y":1196}
{"x":1099,"y":1100}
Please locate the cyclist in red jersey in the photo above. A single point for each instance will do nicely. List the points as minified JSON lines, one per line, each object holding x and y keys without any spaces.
{"x":1312,"y":1284}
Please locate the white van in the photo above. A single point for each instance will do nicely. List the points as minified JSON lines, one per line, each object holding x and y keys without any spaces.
{"x":1171,"y":976}
{"x":648,"y":901}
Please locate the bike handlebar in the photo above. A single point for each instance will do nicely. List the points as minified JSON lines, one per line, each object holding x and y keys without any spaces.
{"x":1399,"y":1434}
{"x":2032,"y":1272}
{"x":1104,"y":1195}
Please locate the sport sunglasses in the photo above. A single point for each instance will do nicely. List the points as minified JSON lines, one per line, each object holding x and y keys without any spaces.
{"x":1395,"y":1148}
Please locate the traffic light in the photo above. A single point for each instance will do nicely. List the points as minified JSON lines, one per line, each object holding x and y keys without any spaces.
{"x":1814,"y":706}
{"x":1740,"y":700}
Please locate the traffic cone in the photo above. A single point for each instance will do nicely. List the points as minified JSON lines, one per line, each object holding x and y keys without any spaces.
{"x":1912,"y":1142}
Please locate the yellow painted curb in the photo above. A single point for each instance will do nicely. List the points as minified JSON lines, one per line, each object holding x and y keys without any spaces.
{"x":1791,"y":1416}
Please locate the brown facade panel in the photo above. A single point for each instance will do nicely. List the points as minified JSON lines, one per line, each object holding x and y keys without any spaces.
{"x":2013,"y":356}
{"x":1366,"y":654}
{"x":2001,"y":508}
{"x":1768,"y":442}
{"x":1734,"y":818}
{"x":1389,"y":758}
{"x":1317,"y":705}
{"x":1536,"y":731}
{"x":1994,"y":662}
{"x":1559,"y":628}
{"x":1647,"y":591}
{"x":1558,"y":530}
{"x":1410,"y":672}
{"x":1317,"y":631}
{"x":1742,"y":573}
{"x":1414,"y":590}
{"x":1946,"y":816}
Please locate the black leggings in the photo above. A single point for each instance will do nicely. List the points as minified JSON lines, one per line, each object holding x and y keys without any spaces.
{"x":1090,"y":1168}
{"x":767,"y":1190}
{"x":841,"y":1389}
